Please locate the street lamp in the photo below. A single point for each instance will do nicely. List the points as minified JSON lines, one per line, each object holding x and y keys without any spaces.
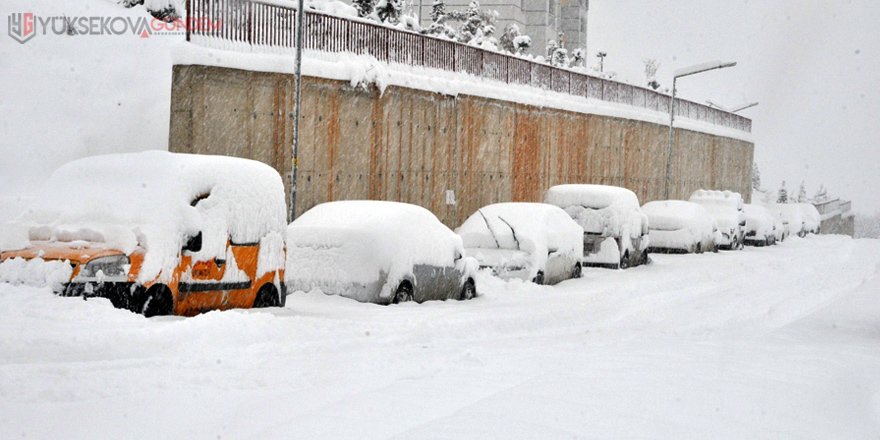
{"x":730,"y":110}
{"x":601,"y":56}
{"x":686,"y":71}
{"x":743,"y":107}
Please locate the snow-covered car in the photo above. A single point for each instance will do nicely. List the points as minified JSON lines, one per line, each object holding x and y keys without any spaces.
{"x":726,"y":208}
{"x":812,"y":218}
{"x":760,"y":226}
{"x":679,"y":227}
{"x":781,"y":227}
{"x":615,"y":230}
{"x":529,"y":241}
{"x":793,"y":215}
{"x":157,"y":233}
{"x":378,"y":252}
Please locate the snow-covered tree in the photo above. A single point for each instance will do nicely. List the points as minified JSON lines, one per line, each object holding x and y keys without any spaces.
{"x":756,"y":177}
{"x":802,"y":194}
{"x":578,"y":57}
{"x":783,"y":194}
{"x":438,"y":11}
{"x":364,"y":7}
{"x":477,"y":26}
{"x":388,"y":11}
{"x":651,"y":66}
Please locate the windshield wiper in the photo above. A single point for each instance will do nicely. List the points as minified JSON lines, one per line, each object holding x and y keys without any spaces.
{"x":498,"y":245}
{"x":512,"y":231}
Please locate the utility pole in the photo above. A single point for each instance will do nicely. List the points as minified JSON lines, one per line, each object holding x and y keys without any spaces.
{"x":297,"y":106}
{"x":601,"y":56}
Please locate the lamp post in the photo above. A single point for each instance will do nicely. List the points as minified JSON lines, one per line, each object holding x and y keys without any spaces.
{"x":300,"y":12}
{"x":601,"y":56}
{"x":686,"y":71}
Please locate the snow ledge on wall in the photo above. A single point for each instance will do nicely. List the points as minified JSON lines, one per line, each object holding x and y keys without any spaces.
{"x":365,"y":69}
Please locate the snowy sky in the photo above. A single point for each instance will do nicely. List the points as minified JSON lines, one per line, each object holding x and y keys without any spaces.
{"x":812,"y":64}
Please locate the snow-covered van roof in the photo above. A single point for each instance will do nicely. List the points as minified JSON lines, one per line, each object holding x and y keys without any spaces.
{"x":155,"y":199}
{"x":591,"y":196}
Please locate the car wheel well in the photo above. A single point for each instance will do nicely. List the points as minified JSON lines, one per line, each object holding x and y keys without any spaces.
{"x":158,"y":300}
{"x":267,"y":296}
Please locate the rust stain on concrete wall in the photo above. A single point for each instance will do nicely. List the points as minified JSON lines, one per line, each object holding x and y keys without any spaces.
{"x":412,"y":146}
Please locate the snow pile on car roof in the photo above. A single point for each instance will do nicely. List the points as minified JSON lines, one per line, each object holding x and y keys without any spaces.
{"x":156,"y":200}
{"x":608,"y":210}
{"x":671,"y":215}
{"x":535,"y":228}
{"x":340,"y":244}
{"x":703,"y":195}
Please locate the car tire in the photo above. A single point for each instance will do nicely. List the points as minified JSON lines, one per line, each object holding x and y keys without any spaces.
{"x":157,"y":301}
{"x":539,"y":278}
{"x":468,"y":291}
{"x":624,"y":261}
{"x":577,"y":272}
{"x":267,"y":296}
{"x":404,"y":293}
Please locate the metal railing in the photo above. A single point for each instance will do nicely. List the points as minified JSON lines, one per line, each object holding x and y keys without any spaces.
{"x":270,"y":26}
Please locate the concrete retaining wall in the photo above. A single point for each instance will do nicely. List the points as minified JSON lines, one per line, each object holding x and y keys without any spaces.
{"x":412,"y":146}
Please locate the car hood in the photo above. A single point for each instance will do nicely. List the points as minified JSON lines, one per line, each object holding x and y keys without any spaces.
{"x":76,"y":252}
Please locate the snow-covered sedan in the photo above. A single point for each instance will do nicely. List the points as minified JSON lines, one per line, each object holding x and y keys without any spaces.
{"x":378,"y":252}
{"x":726,"y":208}
{"x":812,"y":218}
{"x":615,"y":230}
{"x":793,"y":215}
{"x":760,"y":226}
{"x":157,"y":233}
{"x":680,"y":227}
{"x":529,"y":241}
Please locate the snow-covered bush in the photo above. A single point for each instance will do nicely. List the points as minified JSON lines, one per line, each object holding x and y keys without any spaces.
{"x":513,"y":41}
{"x":388,"y":11}
{"x":167,"y":10}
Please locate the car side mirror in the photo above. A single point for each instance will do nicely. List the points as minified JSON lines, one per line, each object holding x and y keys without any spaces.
{"x":194,"y":243}
{"x":457,"y":256}
{"x":551,"y":251}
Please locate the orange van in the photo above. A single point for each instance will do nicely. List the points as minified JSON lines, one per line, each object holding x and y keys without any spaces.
{"x":159,"y":233}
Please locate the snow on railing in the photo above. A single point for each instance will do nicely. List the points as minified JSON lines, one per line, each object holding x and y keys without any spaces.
{"x":269,"y":26}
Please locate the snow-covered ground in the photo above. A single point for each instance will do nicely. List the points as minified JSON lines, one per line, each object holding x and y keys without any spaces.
{"x":779,"y":342}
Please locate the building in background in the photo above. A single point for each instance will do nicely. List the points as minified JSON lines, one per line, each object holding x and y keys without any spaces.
{"x":543,"y":20}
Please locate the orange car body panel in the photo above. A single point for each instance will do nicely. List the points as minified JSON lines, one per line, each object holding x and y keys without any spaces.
{"x":211,"y":292}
